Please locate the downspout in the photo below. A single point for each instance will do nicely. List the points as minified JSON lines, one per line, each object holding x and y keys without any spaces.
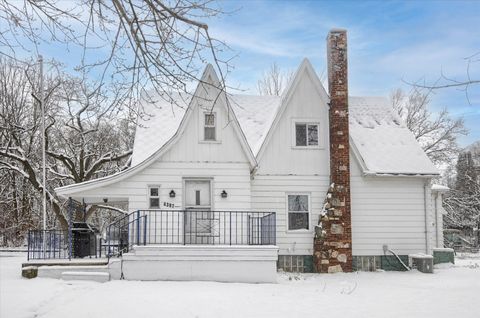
{"x":425,"y":206}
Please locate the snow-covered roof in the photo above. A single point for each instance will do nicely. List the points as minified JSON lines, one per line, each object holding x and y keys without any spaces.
{"x":382,"y":141}
{"x":162,"y":119}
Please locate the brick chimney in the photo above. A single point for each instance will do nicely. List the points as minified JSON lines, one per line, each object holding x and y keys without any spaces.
{"x":333,"y":241}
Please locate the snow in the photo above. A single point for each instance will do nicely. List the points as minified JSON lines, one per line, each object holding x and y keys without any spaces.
{"x":450,"y":292}
{"x":440,"y":188}
{"x":255,"y":115}
{"x":384,"y":143}
{"x":158,"y":125}
{"x":381,"y":139}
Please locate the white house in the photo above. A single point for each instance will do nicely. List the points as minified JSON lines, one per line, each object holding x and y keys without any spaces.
{"x":220,"y":185}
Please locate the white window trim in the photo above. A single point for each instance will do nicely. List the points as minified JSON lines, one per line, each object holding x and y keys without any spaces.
{"x":307,"y":121}
{"x":202,"y":128}
{"x":310,"y":229}
{"x":150,"y":186}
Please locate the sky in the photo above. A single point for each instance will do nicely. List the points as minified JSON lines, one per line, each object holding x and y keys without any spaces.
{"x":390,"y":44}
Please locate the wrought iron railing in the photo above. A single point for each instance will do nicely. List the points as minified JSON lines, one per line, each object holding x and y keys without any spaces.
{"x":59,"y":245}
{"x":189,"y":227}
{"x":180,"y":227}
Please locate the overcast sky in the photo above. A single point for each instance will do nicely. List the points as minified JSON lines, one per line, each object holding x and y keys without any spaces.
{"x":389,"y":43}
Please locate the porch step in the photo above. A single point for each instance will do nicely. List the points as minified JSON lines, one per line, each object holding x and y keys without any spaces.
{"x":100,"y":277}
{"x":57,"y":271}
{"x":204,"y":252}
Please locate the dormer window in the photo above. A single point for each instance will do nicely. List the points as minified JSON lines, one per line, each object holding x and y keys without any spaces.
{"x":306,"y":134}
{"x":210,"y":127}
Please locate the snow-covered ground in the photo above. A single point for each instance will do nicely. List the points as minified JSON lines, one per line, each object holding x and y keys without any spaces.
{"x":449,"y":292}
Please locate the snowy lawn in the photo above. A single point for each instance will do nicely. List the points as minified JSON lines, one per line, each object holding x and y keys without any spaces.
{"x":450,"y":292}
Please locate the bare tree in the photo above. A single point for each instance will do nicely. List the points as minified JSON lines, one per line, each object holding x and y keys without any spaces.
{"x":273,"y":81}
{"x":85,"y":132}
{"x":436,"y":133}
{"x":444,"y":81}
{"x":140,"y":46}
{"x":462,"y":203}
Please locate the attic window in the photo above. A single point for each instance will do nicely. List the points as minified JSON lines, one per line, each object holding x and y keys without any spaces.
{"x":306,"y":134}
{"x":209,"y":127}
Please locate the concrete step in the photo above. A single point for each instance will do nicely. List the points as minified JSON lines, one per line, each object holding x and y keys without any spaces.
{"x":211,"y":252}
{"x":100,"y":277}
{"x":56,"y":271}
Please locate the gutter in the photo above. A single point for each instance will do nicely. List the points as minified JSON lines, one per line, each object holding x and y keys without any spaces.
{"x":368,"y":173}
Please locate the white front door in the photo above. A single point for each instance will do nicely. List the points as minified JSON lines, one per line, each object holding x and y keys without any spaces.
{"x":197,"y":194}
{"x":198,"y":218}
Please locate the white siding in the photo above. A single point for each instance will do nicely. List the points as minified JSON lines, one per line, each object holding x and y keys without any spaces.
{"x":269,"y":194}
{"x":279,"y":157}
{"x":225,"y":162}
{"x":387,"y":211}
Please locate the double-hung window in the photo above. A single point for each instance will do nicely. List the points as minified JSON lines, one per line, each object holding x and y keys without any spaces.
{"x":209,"y":133}
{"x":306,"y":134}
{"x":298,"y":206}
{"x":154,"y":197}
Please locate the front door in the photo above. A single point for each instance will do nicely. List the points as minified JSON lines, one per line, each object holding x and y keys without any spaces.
{"x":198,"y":217}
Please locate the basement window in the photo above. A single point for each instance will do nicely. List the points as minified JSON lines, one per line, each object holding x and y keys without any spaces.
{"x":154,"y":197}
{"x":298,"y":210}
{"x":209,"y":127}
{"x":306,"y":135}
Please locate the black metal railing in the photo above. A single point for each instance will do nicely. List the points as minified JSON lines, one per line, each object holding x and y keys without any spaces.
{"x":189,"y":227}
{"x":59,"y":245}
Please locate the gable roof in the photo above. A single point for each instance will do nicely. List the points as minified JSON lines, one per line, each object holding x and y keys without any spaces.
{"x":380,"y":140}
{"x":167,"y":118}
{"x":154,"y":139}
{"x":307,"y":69}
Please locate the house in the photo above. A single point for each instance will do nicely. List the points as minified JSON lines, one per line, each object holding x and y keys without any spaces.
{"x":230,"y":187}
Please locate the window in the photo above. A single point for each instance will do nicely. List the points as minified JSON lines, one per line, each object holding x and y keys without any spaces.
{"x":306,"y":134}
{"x":298,"y":212}
{"x":209,"y":127}
{"x":154,"y":197}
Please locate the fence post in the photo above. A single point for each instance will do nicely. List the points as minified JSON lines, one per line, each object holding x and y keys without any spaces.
{"x":184,"y":227}
{"x":138,"y":227}
{"x":70,"y":208}
{"x":145,"y":230}
{"x":28,"y":245}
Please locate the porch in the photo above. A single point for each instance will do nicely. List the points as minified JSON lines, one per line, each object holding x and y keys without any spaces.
{"x":192,"y":244}
{"x":156,"y":227}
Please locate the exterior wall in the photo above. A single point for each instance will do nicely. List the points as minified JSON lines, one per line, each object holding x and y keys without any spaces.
{"x":280,"y":156}
{"x":269,"y":193}
{"x":223,"y":161}
{"x":387,"y":211}
{"x":284,"y":168}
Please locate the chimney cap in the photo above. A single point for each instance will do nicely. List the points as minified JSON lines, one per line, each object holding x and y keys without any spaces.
{"x":337,"y":30}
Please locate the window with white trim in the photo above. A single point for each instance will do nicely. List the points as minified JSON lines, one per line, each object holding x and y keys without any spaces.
{"x":298,"y":211}
{"x":209,"y":132}
{"x":154,"y":197}
{"x":306,"y":134}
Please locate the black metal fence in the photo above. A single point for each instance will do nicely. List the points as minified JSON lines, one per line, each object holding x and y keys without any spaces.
{"x":57,"y":244}
{"x":180,"y":227}
{"x":188,"y":227}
